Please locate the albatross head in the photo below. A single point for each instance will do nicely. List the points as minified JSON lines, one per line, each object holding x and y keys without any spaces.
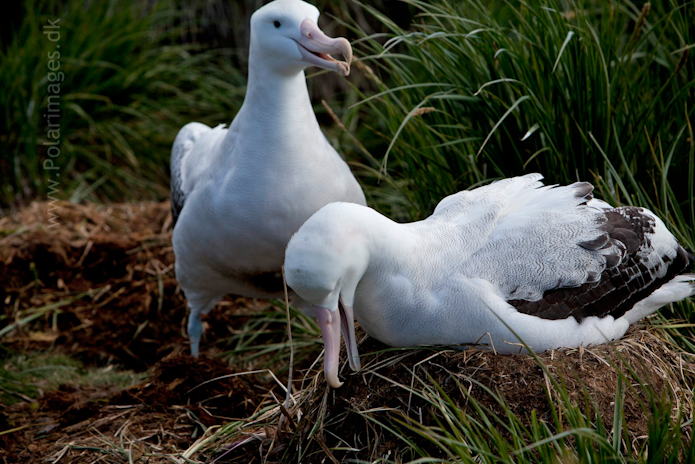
{"x":324,"y":262}
{"x":285,"y":33}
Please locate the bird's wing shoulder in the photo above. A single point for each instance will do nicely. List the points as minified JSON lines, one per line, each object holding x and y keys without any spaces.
{"x":466,"y":206}
{"x":182,"y":148}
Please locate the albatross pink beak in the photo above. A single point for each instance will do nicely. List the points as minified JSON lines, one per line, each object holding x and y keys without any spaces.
{"x":330,"y":323}
{"x":316,"y":48}
{"x":347,"y":326}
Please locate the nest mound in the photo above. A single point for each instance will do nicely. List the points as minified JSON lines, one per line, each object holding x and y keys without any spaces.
{"x":100,"y":286}
{"x":412,"y":386}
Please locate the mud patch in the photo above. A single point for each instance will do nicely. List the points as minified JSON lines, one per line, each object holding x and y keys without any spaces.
{"x":214,"y":392}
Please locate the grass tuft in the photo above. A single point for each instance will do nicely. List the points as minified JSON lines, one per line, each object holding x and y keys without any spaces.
{"x":622,"y":403}
{"x":584,"y":90}
{"x":24,"y":377}
{"x":119,"y":91}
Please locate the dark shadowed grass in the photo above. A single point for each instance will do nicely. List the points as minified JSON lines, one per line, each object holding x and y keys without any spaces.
{"x":121,"y":89}
{"x":128,"y":75}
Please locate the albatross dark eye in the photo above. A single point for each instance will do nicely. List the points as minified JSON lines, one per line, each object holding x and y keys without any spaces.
{"x":277,"y":24}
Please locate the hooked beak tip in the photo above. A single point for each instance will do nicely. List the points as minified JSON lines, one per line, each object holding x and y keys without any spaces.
{"x":316,"y":42}
{"x":344,"y":69}
{"x":333,"y":381}
{"x":346,"y":50}
{"x":358,"y":366}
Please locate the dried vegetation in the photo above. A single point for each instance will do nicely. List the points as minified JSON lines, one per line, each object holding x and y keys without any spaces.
{"x":101,"y":289}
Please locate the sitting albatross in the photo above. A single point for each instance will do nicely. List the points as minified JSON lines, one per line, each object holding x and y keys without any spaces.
{"x":238,"y":194}
{"x":556,"y":266}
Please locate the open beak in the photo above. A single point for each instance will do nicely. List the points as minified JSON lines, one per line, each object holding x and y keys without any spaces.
{"x":331,"y":326}
{"x":316,"y":49}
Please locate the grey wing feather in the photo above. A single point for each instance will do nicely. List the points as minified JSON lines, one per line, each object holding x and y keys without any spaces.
{"x":177,"y":195}
{"x":530,"y":240}
{"x":185,"y":140}
{"x":626,"y":280}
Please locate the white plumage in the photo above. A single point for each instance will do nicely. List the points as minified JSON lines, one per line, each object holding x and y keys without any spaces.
{"x":239,"y":194}
{"x":554,"y":265}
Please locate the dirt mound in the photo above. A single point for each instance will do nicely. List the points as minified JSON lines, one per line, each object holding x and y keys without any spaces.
{"x":181,"y":398}
{"x":412,"y":386}
{"x":100,"y":287}
{"x":101,"y":284}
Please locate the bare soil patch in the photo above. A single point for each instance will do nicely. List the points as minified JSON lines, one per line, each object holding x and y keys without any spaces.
{"x":116,"y":262}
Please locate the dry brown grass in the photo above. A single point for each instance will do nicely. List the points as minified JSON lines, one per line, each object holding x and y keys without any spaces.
{"x":108,"y":271}
{"x":353,"y":421}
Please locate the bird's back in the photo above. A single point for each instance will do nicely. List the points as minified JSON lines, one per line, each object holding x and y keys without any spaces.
{"x":544,"y":259}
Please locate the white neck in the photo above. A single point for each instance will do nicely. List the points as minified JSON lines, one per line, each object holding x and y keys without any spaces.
{"x":384,"y":239}
{"x":276,"y":113}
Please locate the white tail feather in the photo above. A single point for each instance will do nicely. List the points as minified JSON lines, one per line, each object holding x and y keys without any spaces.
{"x":678,"y":288}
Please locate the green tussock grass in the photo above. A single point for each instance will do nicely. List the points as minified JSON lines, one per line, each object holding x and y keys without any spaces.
{"x":123,"y":87}
{"x":27,"y":375}
{"x":128,"y":79}
{"x":475,"y":433}
{"x":263,"y":342}
{"x":597,"y":91}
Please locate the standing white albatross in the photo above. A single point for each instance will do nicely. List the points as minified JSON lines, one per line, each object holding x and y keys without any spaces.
{"x":556,"y":266}
{"x":238,"y":194}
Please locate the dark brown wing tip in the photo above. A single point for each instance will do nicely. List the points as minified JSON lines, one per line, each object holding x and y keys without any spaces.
{"x":626,"y":280}
{"x":600,"y":242}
